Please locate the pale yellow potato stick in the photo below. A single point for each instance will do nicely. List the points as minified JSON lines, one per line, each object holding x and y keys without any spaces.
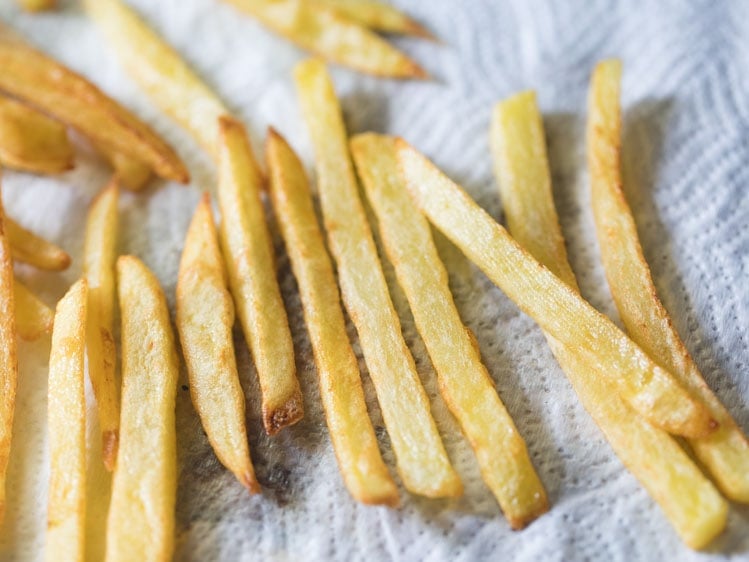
{"x":725,"y":453}
{"x":205,"y":317}
{"x":378,"y":16}
{"x":37,"y":79}
{"x":464,"y":382}
{"x":33,"y":317}
{"x":250,"y":263}
{"x":100,"y":253}
{"x":351,"y":431}
{"x":688,"y":499}
{"x":160,"y":71}
{"x":141,"y":513}
{"x":557,"y":308}
{"x":33,"y":249}
{"x":130,"y":173}
{"x":324,"y":31}
{"x":66,"y":426}
{"x":421,"y":458}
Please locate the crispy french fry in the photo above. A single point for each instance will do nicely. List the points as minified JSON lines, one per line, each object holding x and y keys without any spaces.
{"x":160,"y":71}
{"x":422,"y":461}
{"x":130,"y":173}
{"x":141,"y":513}
{"x":248,"y":248}
{"x":556,"y":307}
{"x":66,"y":425}
{"x":464,"y":382}
{"x":33,"y":317}
{"x":688,"y":499}
{"x":37,"y":79}
{"x":32,"y":142}
{"x":100,"y":252}
{"x":726,"y":452}
{"x":322,"y":30}
{"x":38,"y":5}
{"x":351,"y":431}
{"x":205,"y":317}
{"x":34,"y":250}
{"x":8,"y":356}
{"x":378,"y":16}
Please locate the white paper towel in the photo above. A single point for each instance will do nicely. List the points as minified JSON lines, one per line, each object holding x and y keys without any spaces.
{"x":685,"y":95}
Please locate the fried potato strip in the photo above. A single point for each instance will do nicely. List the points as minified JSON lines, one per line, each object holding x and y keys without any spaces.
{"x":130,"y":173}
{"x":33,"y":317}
{"x":378,"y":16}
{"x":33,"y":249}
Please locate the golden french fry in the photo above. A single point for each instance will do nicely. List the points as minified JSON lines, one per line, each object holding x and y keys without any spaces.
{"x":34,"y":250}
{"x":422,"y":461}
{"x":726,"y":452}
{"x":38,"y":5}
{"x":100,"y":252}
{"x":205,"y":317}
{"x":351,"y":431}
{"x":160,"y":71}
{"x":556,"y":307}
{"x":33,"y":317}
{"x":130,"y":173}
{"x":250,"y":263}
{"x":37,"y":79}
{"x":141,"y":513}
{"x":322,"y":30}
{"x":464,"y":382}
{"x":377,"y":16}
{"x":688,"y":499}
{"x":32,"y":142}
{"x":66,"y":425}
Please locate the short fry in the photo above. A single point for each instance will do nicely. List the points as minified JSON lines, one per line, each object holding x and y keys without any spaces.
{"x":351,"y":431}
{"x":557,"y":308}
{"x":141,"y":513}
{"x":100,"y":252}
{"x":32,"y":142}
{"x":688,"y":499}
{"x":33,"y":249}
{"x":66,"y":425}
{"x":323,"y":31}
{"x":378,"y":16}
{"x":205,"y":317}
{"x":33,"y":317}
{"x":130,"y":173}
{"x":422,"y":461}
{"x":37,"y":79}
{"x":726,"y":452}
{"x":250,"y":263}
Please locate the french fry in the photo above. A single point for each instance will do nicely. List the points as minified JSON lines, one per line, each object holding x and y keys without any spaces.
{"x":378,"y":16}
{"x":160,"y":71}
{"x":130,"y":173}
{"x":34,"y":250}
{"x":688,"y":499}
{"x":42,"y":82}
{"x":726,"y":452}
{"x":421,"y":458}
{"x":556,"y":307}
{"x":464,"y":382}
{"x":32,"y":142}
{"x":205,"y":317}
{"x":322,"y":30}
{"x":248,"y":248}
{"x":8,"y":356}
{"x":38,"y":5}
{"x":66,"y":426}
{"x":100,"y":252}
{"x":141,"y":514}
{"x":351,"y":431}
{"x":33,"y":317}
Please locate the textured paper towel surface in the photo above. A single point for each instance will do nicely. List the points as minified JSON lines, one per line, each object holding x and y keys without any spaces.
{"x":686,"y":99}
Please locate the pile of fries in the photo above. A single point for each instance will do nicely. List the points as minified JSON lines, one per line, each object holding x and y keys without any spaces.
{"x":641,"y":386}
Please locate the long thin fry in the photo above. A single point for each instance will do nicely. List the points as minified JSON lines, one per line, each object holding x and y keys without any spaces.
{"x":688,"y":499}
{"x":33,"y":249}
{"x":422,"y":461}
{"x":33,"y":317}
{"x":378,"y":16}
{"x":66,"y":425}
{"x":351,"y":431}
{"x":205,"y":317}
{"x":250,"y":262}
{"x":160,"y":71}
{"x":32,"y":142}
{"x":323,"y":31}
{"x":39,"y":80}
{"x":464,"y":382}
{"x":726,"y":452}
{"x":130,"y":173}
{"x":557,"y":308}
{"x":141,"y":513}
{"x":100,"y":252}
